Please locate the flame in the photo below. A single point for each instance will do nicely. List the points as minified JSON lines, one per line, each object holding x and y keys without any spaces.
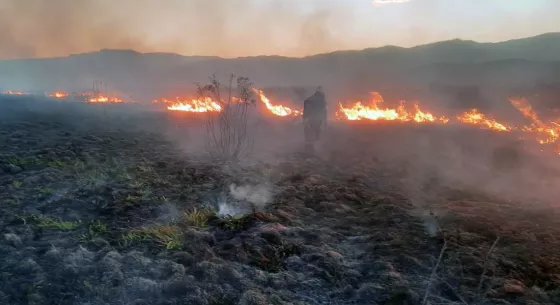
{"x":522,"y":104}
{"x":205,"y":104}
{"x":371,"y":111}
{"x":545,"y":133}
{"x":104,"y":99}
{"x":58,"y":94}
{"x":278,"y":110}
{"x":15,"y":92}
{"x":475,"y":117}
{"x":421,"y":116}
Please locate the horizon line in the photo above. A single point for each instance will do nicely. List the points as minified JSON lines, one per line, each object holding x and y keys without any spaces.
{"x":283,"y":56}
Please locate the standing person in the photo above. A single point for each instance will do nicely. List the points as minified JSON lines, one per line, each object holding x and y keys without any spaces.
{"x":314,"y":118}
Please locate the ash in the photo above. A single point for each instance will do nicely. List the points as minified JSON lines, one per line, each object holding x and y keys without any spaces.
{"x":97,"y":209}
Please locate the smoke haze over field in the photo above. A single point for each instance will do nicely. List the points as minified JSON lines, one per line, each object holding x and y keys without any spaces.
{"x":41,"y":28}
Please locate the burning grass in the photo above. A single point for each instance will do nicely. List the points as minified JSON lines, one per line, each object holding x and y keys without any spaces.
{"x":59,"y":95}
{"x":374,"y":111}
{"x":370,"y":111}
{"x":95,"y":210}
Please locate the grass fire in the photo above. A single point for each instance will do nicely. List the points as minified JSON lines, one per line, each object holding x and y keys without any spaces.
{"x":390,"y":176}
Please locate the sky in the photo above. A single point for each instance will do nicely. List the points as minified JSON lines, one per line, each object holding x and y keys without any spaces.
{"x":237,"y":28}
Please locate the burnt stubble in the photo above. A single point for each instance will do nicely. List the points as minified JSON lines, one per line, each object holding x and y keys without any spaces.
{"x":102,"y":205}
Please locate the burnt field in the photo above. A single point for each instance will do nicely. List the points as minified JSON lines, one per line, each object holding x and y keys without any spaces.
{"x":106,"y":204}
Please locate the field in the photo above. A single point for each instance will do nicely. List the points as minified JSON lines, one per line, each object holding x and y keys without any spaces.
{"x":110,"y":204}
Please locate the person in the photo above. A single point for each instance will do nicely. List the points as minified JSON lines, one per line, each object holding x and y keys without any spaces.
{"x":314,"y":118}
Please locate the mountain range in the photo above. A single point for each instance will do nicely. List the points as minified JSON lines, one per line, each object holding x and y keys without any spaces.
{"x":509,"y":64}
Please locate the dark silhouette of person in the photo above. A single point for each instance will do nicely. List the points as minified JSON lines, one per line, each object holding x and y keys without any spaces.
{"x":314,"y":118}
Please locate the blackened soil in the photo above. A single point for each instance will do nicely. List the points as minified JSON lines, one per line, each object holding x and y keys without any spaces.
{"x":99,"y":208}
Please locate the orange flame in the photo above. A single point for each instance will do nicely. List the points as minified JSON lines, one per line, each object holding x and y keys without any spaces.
{"x":278,"y":110}
{"x":205,"y":104}
{"x":545,"y":133}
{"x":58,"y":94}
{"x":104,"y":99}
{"x":371,"y":110}
{"x":15,"y":92}
{"x":360,"y":111}
{"x":475,"y":117}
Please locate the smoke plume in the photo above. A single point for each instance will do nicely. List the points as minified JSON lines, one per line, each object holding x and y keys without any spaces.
{"x":45,"y":28}
{"x":258,"y":195}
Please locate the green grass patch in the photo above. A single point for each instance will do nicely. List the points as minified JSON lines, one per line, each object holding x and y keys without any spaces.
{"x":96,"y":229}
{"x":11,"y":202}
{"x":20,"y":161}
{"x":198,"y":217}
{"x":47,"y":222}
{"x":32,"y":161}
{"x":131,"y":199}
{"x":168,"y":237}
{"x":45,"y":191}
{"x":58,"y":164}
{"x":235,"y":223}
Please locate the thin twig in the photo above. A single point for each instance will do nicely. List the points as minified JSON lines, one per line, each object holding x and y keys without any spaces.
{"x":434,"y":270}
{"x":486,"y":264}
{"x":454,"y":291}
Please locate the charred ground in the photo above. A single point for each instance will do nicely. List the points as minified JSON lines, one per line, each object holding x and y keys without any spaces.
{"x":99,"y":208}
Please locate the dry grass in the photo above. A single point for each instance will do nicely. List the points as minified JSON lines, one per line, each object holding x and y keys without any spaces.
{"x":198,"y":217}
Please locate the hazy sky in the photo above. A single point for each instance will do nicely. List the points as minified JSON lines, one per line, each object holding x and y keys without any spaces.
{"x":231,"y":28}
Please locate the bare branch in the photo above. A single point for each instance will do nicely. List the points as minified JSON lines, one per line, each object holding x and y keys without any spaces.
{"x":486,"y":264}
{"x":433,"y":274}
{"x":227,"y":130}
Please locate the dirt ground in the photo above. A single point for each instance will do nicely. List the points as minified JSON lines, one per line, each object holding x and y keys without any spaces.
{"x":102,"y":204}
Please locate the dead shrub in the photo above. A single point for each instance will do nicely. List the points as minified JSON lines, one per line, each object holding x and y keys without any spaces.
{"x":227,"y":133}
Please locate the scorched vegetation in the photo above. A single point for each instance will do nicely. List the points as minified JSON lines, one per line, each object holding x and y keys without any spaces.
{"x":98,"y":208}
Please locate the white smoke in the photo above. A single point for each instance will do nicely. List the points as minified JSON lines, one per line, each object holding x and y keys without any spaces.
{"x":225,"y":208}
{"x":385,"y":2}
{"x":251,"y":197}
{"x":258,"y":195}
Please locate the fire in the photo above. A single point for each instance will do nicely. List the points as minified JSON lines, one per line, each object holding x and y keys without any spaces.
{"x":104,"y":99}
{"x":278,"y":110}
{"x":545,"y":133}
{"x":58,"y":94}
{"x":204,"y":104}
{"x":475,"y":117}
{"x":421,"y":116}
{"x":371,"y":111}
{"x":15,"y":92}
{"x":207,"y":104}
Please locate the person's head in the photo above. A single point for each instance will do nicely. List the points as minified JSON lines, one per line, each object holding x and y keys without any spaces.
{"x":320,"y":89}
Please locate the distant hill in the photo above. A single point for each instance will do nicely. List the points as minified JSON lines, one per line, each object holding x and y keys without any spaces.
{"x":455,"y":62}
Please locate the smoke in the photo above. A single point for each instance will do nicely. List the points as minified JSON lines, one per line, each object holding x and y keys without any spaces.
{"x":45,"y":28}
{"x":249,"y":198}
{"x":225,"y":208}
{"x":438,"y":167}
{"x":385,"y":2}
{"x":481,"y":166}
{"x":58,"y":27}
{"x":258,"y":195}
